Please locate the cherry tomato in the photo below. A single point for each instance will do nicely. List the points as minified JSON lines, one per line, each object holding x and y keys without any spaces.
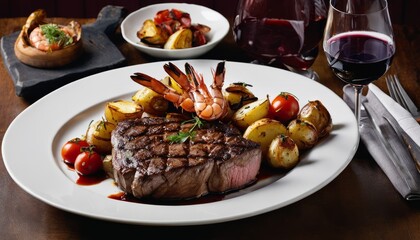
{"x":170,"y":16}
{"x":162,"y":16}
{"x":72,"y":149}
{"x":284,"y":107}
{"x":88,"y":162}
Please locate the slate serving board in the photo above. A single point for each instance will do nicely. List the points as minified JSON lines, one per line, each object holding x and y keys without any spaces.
{"x":99,"y":54}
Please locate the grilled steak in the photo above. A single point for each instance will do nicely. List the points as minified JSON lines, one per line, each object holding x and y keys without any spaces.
{"x":216,"y":159}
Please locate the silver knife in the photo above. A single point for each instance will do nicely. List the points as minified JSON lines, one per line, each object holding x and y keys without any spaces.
{"x":389,"y":150}
{"x":403,"y":136}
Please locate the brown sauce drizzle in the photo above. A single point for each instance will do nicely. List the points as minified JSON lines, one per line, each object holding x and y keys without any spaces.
{"x":88,"y":180}
{"x":121,"y":196}
{"x":91,"y":179}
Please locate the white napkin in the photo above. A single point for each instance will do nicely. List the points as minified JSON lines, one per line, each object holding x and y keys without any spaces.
{"x":404,"y":175}
{"x":402,"y":116}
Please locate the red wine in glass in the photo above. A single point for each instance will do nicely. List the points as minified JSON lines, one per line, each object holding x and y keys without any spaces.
{"x":283,"y":33}
{"x":358,"y":43}
{"x":359,"y":57}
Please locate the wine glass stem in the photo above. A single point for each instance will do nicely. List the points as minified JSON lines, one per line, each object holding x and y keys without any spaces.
{"x":357,"y":96}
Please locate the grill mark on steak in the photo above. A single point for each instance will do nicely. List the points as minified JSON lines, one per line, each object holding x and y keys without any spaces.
{"x":147,"y":165}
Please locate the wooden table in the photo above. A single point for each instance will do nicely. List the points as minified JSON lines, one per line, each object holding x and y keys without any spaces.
{"x":360,"y":203}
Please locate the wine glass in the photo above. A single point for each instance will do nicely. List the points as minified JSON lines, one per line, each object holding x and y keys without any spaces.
{"x":281,"y":33}
{"x":358,"y":42}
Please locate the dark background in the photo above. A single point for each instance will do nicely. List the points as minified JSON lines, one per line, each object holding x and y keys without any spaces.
{"x":402,"y":11}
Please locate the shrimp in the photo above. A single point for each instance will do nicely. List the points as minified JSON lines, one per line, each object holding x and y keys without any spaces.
{"x":39,"y":41}
{"x":209,"y":105}
{"x":179,"y":100}
{"x":59,"y":36}
{"x":196,"y":97}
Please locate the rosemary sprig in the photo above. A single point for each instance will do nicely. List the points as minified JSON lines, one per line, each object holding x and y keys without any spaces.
{"x":198,"y":122}
{"x":102,"y":124}
{"x":181,"y":137}
{"x":54,"y":34}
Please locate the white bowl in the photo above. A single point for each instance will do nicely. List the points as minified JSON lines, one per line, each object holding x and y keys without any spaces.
{"x":199,"y":14}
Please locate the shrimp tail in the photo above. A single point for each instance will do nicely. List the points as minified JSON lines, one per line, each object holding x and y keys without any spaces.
{"x":219,"y":75}
{"x":150,"y":82}
{"x":191,"y":75}
{"x":169,"y":94}
{"x":178,"y":76}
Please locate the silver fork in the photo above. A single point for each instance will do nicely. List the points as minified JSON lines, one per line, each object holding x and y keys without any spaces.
{"x":398,"y":93}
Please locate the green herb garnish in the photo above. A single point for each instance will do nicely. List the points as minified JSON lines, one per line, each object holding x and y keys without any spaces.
{"x":197,"y":122}
{"x":181,"y":137}
{"x":102,"y":124}
{"x":184,"y":136}
{"x":54,"y":34}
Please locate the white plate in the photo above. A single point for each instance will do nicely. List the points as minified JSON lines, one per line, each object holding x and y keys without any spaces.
{"x":31,"y":147}
{"x":199,"y":14}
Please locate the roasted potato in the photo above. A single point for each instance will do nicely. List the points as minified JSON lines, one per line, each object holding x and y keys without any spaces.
{"x":152,"y":102}
{"x":237,"y":94}
{"x":99,"y":135}
{"x":250,"y":113}
{"x":172,"y":84}
{"x":122,"y":109}
{"x":283,"y":153}
{"x":263,"y":131}
{"x":303,"y":133}
{"x":179,"y":39}
{"x":316,"y":113}
{"x":150,"y":33}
